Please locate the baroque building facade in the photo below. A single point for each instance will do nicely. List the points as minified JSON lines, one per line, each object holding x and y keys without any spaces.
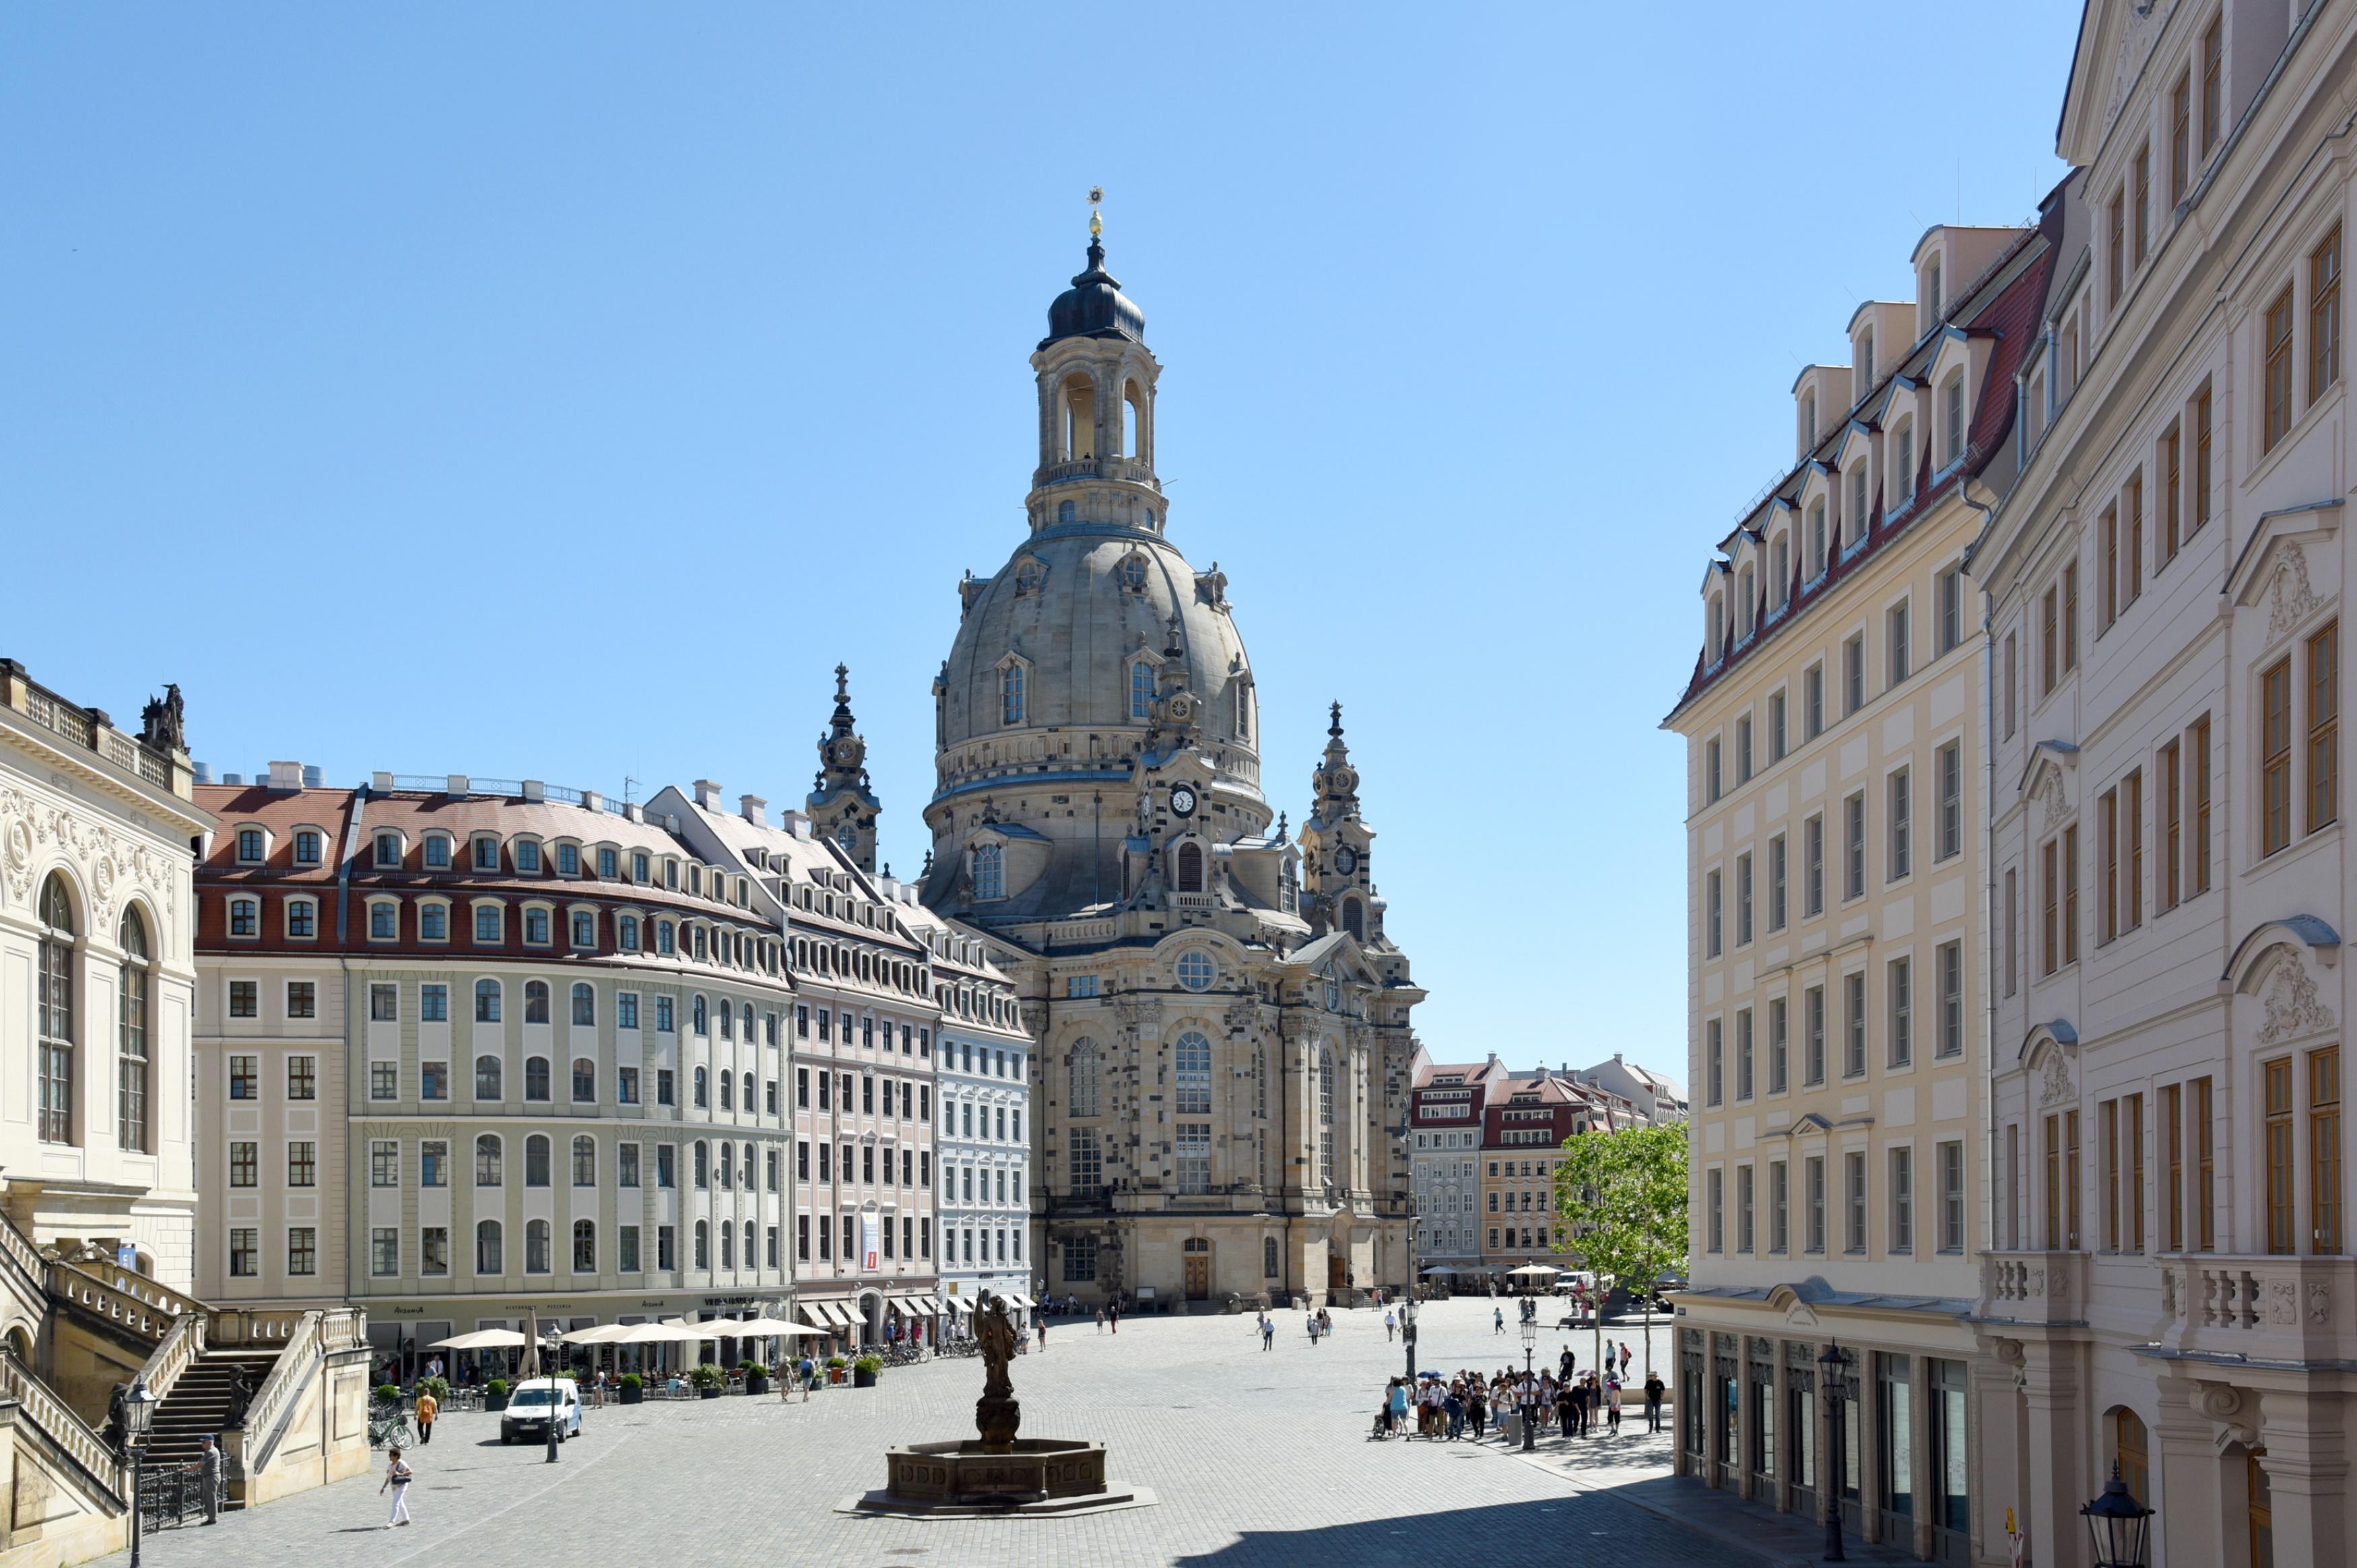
{"x":2172,"y":1287}
{"x":1224,"y":1050}
{"x":1838,"y":1051}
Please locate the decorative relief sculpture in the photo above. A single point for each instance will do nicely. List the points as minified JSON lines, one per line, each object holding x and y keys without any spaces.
{"x":2293,"y":1007}
{"x":2057,"y":1079}
{"x":2282,"y":1302}
{"x":2319,"y":1303}
{"x":2050,"y":795}
{"x":2290,"y":600}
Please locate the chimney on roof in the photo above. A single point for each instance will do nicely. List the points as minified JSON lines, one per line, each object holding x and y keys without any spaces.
{"x":287,"y":776}
{"x":204,"y":772}
{"x":707,"y":794}
{"x":1615,"y":1056}
{"x":756,"y":810}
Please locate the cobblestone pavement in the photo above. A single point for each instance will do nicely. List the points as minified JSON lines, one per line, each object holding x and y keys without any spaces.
{"x":1255,"y":1458}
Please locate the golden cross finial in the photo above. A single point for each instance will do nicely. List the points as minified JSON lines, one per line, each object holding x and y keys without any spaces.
{"x":1097,"y":222}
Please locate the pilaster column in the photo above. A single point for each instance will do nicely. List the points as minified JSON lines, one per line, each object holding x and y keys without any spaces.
{"x":1780,"y":1493}
{"x":2189,"y":1528}
{"x":1684,"y":1393}
{"x":2058,"y":1482}
{"x":1868,"y":1383}
{"x":2307,"y":1462}
{"x":1997,"y":1462}
{"x":1746,"y":1420}
{"x":1922,"y":1413}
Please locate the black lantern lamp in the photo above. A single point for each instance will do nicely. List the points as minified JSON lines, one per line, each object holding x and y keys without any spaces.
{"x":2118,"y":1524}
{"x":1832,"y":1377}
{"x":138,"y":1415}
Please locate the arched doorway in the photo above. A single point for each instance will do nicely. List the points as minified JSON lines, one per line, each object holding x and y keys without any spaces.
{"x":1198,"y":1257}
{"x":871,"y":1318}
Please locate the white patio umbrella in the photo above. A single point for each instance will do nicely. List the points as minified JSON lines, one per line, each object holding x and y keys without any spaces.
{"x":602,"y":1334}
{"x":1532,"y":1272}
{"x":481,"y":1339}
{"x":1440,"y":1269}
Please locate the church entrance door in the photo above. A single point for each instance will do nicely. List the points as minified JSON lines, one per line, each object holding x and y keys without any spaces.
{"x":1334,"y":1279}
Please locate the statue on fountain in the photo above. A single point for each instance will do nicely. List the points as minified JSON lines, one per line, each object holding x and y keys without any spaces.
{"x":997,"y":1414}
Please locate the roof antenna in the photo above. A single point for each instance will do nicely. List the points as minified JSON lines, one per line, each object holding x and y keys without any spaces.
{"x":628,"y":784}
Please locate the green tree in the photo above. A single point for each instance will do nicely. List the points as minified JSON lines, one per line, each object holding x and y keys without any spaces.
{"x":1620,"y":1204}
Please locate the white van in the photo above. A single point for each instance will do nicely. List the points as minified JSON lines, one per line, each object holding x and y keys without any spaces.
{"x":537,"y":1402}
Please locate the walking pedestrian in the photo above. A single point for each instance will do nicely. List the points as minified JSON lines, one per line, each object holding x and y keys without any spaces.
{"x":1039,"y":1327}
{"x":209,"y":1472}
{"x":425,"y":1409}
{"x":1112,"y":1316}
{"x":1395,"y":1405}
{"x":1391,"y":1325}
{"x":1455,"y":1406}
{"x":1267,"y":1332}
{"x":1653,"y":1401}
{"x":1497,"y":1320}
{"x":397,"y":1476}
{"x":1624,"y":1360}
{"x":1101,"y":1320}
{"x":1566,"y":1402}
{"x":1612,"y":1409}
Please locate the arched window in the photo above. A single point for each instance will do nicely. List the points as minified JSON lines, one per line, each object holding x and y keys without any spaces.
{"x":1133,"y":420}
{"x":727,"y":1091}
{"x":1354,"y":918}
{"x":1141,"y":691}
{"x":663,"y":937}
{"x":1780,"y":572}
{"x":748,"y":1165}
{"x":57,"y":1011}
{"x":1855,"y":530}
{"x":1904,"y":463}
{"x":584,"y":1007}
{"x":1010,"y":694}
{"x":1326,"y":1113}
{"x":1718,"y":628}
{"x":1085,"y":1064}
{"x":748,"y":1091}
{"x":727,"y":1021}
{"x":1952,"y":406}
{"x":703,"y":1086}
{"x":131,"y":1058}
{"x":626,"y":933}
{"x":535,"y":1247}
{"x":1745,"y":597}
{"x":1268,"y":1257}
{"x":585,"y":1161}
{"x":536,"y":1078}
{"x":585,"y":1247}
{"x":487,"y":1160}
{"x":584,"y":1080}
{"x":1080,"y":401}
{"x":700,"y":1019}
{"x":535,"y":1161}
{"x":1260,"y":1080}
{"x":989,"y":872}
{"x":702,"y":1164}
{"x":1190,"y":868}
{"x":1192,"y":1068}
{"x":1244,"y":710}
{"x":1131,"y":574}
{"x":727,"y":1245}
{"x":536,"y":1001}
{"x":727,"y":1160}
{"x":487,"y":1247}
{"x":487,"y":1077}
{"x":487,"y":1002}
{"x":704,"y":1244}
{"x":2132,"y":1451}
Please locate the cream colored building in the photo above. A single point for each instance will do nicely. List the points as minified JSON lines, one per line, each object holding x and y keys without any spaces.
{"x":1225,"y":1052}
{"x":1836,"y":877}
{"x":2172,"y":1285}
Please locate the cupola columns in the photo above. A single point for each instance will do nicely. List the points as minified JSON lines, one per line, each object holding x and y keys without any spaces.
{"x":1097,"y":382}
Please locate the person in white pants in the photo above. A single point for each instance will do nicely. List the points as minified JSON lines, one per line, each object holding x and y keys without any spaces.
{"x":397,"y":1476}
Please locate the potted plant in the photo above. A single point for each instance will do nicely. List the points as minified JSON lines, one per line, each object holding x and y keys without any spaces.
{"x":495,"y":1394}
{"x":708,"y":1381}
{"x":438,"y":1386}
{"x":863,"y":1370}
{"x":756,"y":1378}
{"x":388,"y":1393}
{"x":633,"y":1387}
{"x":834,"y":1366}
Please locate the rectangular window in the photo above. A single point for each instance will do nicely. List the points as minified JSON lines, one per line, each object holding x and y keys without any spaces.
{"x":2012,"y":682}
{"x":1948,"y":762}
{"x":2012,"y":933}
{"x":2200,"y":508}
{"x":2172,"y":1167}
{"x":2109,"y":1112}
{"x":303,"y":1163}
{"x":1714,"y":1052}
{"x":1949,"y":595}
{"x":1778,"y":1048}
{"x":2324,"y":727}
{"x":1854,"y":675}
{"x":2140,"y":192}
{"x":2107,"y":846}
{"x":1902,"y":824}
{"x":244,"y":1253}
{"x":1812,"y":701}
{"x":1895,"y":628}
{"x":2132,"y":1130}
{"x":2132,"y":856}
{"x":1742,"y":899}
{"x":1812,"y":1023}
{"x":2277,"y":381}
{"x":2205,"y":1171}
{"x":2171,"y":835}
{"x":2070,"y":617}
{"x":1743,"y":1053}
{"x":1814,"y":1176}
{"x":2324,"y":1149}
{"x":2115,"y":249}
{"x":2172,"y":510}
{"x":244,"y":998}
{"x":1776,"y":883}
{"x":1854,"y":846}
{"x":384,"y":1081}
{"x":1778,"y":1198}
{"x":2132,"y":542}
{"x":1853,"y":1024}
{"x":244,"y":1159}
{"x":1743,"y":749}
{"x":1715,"y":1187}
{"x":2108,"y":536}
{"x":2324,"y":314}
{"x":1776,"y":726}
{"x":2071,"y":894}
{"x":2050,"y":643}
{"x":1903,"y":1199}
{"x":2276,"y":1076}
{"x":2275,"y":756}
{"x":2071,"y":1188}
{"x":1950,"y":962}
{"x":2181,"y":138}
{"x":1813,"y":866}
{"x":244,"y":1077}
{"x":1901,"y":981}
{"x":1952,"y":1197}
{"x":1710,"y":914}
{"x":2198,"y":879}
{"x":1743,"y":1234}
{"x":384,"y":1252}
{"x":1710,"y":774}
{"x":1854,"y":1202}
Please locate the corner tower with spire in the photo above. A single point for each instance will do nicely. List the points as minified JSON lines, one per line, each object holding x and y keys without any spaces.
{"x":841,"y":805}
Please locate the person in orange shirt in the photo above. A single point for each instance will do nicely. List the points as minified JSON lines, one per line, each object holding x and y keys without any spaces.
{"x":425,"y":1409}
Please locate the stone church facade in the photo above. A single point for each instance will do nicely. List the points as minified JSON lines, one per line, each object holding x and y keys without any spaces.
{"x":1225,"y":1045}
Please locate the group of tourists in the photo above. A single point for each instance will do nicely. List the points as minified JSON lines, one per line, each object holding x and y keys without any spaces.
{"x":1564,"y":1400}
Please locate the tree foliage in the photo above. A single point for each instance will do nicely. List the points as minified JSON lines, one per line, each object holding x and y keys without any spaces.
{"x":1620,"y":1199}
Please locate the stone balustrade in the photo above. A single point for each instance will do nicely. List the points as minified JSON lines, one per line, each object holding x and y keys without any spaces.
{"x":61,"y":1426}
{"x":2034,"y":1288}
{"x":2259,"y":1308}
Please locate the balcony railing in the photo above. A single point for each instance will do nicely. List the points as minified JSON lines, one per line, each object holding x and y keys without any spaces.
{"x":88,"y":728}
{"x":2262,"y":1308}
{"x":2034,"y":1287}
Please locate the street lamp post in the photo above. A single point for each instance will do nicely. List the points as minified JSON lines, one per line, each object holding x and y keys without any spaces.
{"x":138,"y":1412}
{"x":1407,"y":1297}
{"x":2117,"y":1523}
{"x":548,"y":1372}
{"x":1832,"y":1368}
{"x":1530,"y":1410}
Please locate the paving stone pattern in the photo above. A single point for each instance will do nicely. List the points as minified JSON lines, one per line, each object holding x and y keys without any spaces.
{"x":1257,"y":1457}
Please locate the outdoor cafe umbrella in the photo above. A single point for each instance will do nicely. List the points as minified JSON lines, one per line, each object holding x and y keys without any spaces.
{"x":1440,"y":1269}
{"x":481,"y":1339}
{"x":602,"y":1334}
{"x":1532,"y":1272}
{"x":530,"y":1367}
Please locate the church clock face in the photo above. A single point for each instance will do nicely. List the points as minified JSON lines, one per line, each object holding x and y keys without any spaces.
{"x":1346,"y":860}
{"x":1182,"y":800}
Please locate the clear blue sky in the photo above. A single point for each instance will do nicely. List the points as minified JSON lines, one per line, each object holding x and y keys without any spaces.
{"x":559,"y":391}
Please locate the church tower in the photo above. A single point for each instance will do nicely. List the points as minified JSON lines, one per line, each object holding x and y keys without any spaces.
{"x":842,"y":806}
{"x":1337,"y":846}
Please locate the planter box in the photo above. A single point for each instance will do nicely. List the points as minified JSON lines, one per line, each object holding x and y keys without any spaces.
{"x":633,"y":1396}
{"x":495,"y":1401}
{"x":834,"y":1374}
{"x":708,"y":1393}
{"x":754,"y":1385}
{"x":862,"y":1379}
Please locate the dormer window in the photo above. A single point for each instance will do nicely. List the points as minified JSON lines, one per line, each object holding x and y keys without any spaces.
{"x":1779,"y":571}
{"x":1931,"y":281}
{"x":1817,"y":538}
{"x":438,"y":852}
{"x":1029,"y":576}
{"x":1743,"y":602}
{"x":1857,"y":495}
{"x":527,"y":854}
{"x":1131,"y":573}
{"x":568,"y":860}
{"x":1906,"y":461}
{"x":310,"y":844}
{"x":1718,"y":628}
{"x":1866,"y":359}
{"x":1952,"y":411}
{"x":388,"y":850}
{"x":252,"y":845}
{"x":1808,"y":420}
{"x":487,"y":853}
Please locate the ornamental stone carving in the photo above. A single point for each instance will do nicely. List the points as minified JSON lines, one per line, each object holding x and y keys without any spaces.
{"x":2290,"y":600}
{"x":2050,"y":795}
{"x":2282,"y":1302}
{"x":2319,"y":1303}
{"x":2293,"y":1007}
{"x":2057,"y":1086}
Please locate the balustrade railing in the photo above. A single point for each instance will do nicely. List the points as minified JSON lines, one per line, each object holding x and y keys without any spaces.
{"x":2034,"y":1287}
{"x":2266,"y":1307}
{"x":298,"y":1359}
{"x":62,"y":1427}
{"x":176,"y":1354}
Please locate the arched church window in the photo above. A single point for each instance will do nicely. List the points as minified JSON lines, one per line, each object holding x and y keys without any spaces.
{"x":1260,"y":1080}
{"x":1192,"y":1068}
{"x":1067,"y":512}
{"x":1268,"y":1257}
{"x":1141,"y":690}
{"x":1083,"y":1095}
{"x":1190,"y":868}
{"x":1131,"y":573}
{"x":1326,"y":1113}
{"x":1010,"y":694}
{"x":57,"y":1011}
{"x":1354,"y":919}
{"x":1133,"y":420}
{"x":1243,"y":711}
{"x":1080,"y":418}
{"x":1029,"y":576}
{"x":131,"y":1054}
{"x":989,"y":871}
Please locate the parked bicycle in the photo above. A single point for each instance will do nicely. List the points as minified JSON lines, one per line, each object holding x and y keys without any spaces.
{"x":389,"y":1426}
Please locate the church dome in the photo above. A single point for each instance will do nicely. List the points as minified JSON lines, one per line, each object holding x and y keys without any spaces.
{"x":1085,"y":609}
{"x":1094,"y":306}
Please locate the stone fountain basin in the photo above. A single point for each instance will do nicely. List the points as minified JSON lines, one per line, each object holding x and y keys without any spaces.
{"x":1034,"y":1470}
